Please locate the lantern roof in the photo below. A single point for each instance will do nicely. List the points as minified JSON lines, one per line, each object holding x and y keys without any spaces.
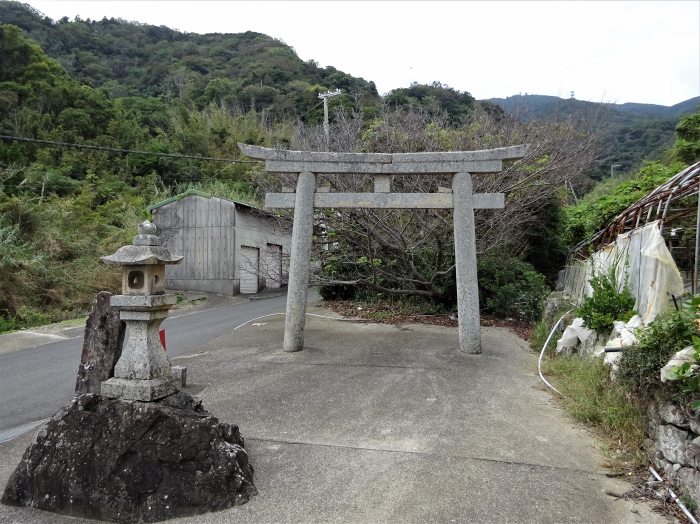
{"x":146,"y":250}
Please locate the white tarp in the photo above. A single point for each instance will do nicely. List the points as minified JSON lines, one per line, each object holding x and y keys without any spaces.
{"x":642,"y":256}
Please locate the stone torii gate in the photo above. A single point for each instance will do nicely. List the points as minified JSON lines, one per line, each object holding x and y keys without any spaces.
{"x":382,"y":166}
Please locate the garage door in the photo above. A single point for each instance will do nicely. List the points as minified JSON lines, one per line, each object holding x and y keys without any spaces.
{"x":273,"y":266}
{"x":249,"y":264}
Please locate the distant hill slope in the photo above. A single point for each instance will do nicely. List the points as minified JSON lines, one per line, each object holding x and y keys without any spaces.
{"x":652,"y":110}
{"x":544,"y":106}
{"x":631,"y":131}
{"x":124,"y":58}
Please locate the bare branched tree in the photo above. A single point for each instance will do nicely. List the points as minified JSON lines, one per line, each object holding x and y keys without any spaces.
{"x":411,"y":252}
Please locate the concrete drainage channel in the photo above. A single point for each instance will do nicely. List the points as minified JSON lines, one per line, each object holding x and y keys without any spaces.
{"x":12,"y":433}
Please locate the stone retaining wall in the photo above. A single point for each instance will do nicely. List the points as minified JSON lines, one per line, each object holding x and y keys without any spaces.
{"x":673,"y":441}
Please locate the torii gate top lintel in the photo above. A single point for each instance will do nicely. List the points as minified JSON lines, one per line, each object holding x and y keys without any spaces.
{"x":483,"y":161}
{"x":460,"y":198}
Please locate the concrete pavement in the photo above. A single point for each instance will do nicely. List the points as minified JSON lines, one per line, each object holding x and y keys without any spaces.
{"x":377,"y":423}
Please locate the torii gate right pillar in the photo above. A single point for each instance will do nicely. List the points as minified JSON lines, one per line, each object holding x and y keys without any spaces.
{"x":465,"y":264}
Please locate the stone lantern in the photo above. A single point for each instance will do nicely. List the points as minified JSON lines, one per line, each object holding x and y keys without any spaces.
{"x":143,"y":370}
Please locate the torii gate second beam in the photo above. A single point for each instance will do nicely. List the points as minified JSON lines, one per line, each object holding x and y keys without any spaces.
{"x":460,"y":164}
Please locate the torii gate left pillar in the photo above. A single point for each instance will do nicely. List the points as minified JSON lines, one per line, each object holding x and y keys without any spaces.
{"x":460,"y":164}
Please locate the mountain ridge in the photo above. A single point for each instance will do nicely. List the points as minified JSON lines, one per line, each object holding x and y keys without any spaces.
{"x":652,"y":110}
{"x":629,"y":133}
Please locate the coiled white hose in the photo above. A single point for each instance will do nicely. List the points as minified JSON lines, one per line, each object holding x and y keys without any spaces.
{"x":544,"y":348}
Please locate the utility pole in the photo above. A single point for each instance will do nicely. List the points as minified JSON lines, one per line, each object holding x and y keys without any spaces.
{"x":43,"y":185}
{"x":612,"y":169}
{"x":325,"y":96}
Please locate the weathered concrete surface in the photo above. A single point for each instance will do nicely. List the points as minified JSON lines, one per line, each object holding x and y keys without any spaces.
{"x":145,"y":390}
{"x":395,"y":168}
{"x":143,"y":357}
{"x":375,"y":423}
{"x":133,"y":462}
{"x":143,"y":370}
{"x":299,"y":262}
{"x":484,"y":161}
{"x":143,"y":302}
{"x":382,"y":183}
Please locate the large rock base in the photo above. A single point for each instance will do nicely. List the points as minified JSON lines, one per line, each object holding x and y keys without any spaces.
{"x":128,"y":461}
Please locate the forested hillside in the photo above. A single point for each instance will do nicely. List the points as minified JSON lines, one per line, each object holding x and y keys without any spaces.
{"x":629,"y":133}
{"x":611,"y":197}
{"x":61,"y":207}
{"x":251,"y":70}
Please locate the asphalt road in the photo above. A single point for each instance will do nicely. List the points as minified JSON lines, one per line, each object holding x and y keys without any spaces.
{"x":35,"y":382}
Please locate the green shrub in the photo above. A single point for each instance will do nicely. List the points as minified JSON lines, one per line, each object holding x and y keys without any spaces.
{"x":7,"y":324}
{"x":509,"y":287}
{"x":687,"y":147}
{"x":610,"y":198}
{"x":686,"y":374}
{"x":607,"y":303}
{"x":640,"y":365}
{"x":29,"y":316}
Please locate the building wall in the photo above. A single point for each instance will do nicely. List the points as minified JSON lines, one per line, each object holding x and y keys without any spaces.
{"x":208,"y":232}
{"x":256,"y":229}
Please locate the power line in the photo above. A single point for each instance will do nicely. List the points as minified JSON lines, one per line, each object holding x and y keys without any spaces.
{"x":36,"y":185}
{"x":309,"y":111}
{"x":53,"y":143}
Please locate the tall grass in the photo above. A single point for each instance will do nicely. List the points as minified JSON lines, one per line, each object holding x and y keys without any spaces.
{"x":591,"y":397}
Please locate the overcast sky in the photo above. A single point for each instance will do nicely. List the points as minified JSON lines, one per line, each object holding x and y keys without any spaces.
{"x":616,"y":52}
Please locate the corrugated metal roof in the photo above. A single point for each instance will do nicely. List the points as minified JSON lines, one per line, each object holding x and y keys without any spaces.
{"x":196,"y":192}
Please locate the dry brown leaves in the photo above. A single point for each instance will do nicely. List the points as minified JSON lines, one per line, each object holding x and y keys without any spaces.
{"x":383,"y":314}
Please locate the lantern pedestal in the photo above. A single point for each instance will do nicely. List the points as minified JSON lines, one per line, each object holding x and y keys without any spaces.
{"x":143,"y":371}
{"x":134,"y":389}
